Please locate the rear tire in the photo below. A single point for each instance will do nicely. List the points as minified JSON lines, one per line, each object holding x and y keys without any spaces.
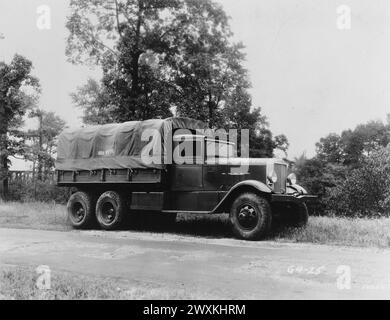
{"x":111,"y":209}
{"x":251,"y":217}
{"x":81,"y":210}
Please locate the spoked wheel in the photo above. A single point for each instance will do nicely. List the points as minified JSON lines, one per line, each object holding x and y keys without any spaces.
{"x":81,"y":210}
{"x":250,"y":217}
{"x":111,"y":209}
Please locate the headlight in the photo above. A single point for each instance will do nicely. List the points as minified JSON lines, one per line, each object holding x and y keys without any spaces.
{"x":273,"y":177}
{"x":292,"y":179}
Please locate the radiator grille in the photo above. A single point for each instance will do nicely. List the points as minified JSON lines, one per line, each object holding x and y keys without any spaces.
{"x":281,"y":172}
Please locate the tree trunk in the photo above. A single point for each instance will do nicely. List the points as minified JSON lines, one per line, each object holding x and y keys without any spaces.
{"x":136,"y":53}
{"x":211,"y":114}
{"x":40,"y":150}
{"x":4,"y":166}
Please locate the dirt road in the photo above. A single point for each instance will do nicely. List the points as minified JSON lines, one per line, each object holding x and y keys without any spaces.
{"x":221,"y":268}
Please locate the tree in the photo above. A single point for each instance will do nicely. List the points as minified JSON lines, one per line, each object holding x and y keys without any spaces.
{"x":320,"y":178}
{"x":96,"y":103}
{"x":130,"y":35}
{"x":365,"y":190}
{"x":239,"y":114}
{"x":353,"y":146}
{"x":345,"y":172}
{"x":156,"y":55}
{"x":330,"y":148}
{"x":43,"y":140}
{"x":364,"y":140}
{"x":15,"y":77}
{"x":160,"y":56}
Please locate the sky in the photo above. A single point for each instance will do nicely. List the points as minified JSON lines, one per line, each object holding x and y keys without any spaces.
{"x":312,"y":71}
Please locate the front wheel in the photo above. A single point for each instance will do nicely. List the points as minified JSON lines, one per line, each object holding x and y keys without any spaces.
{"x":110,"y":210}
{"x":250,"y":216}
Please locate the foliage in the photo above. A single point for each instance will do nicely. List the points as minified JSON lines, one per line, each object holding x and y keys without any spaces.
{"x":353,"y":146}
{"x":350,"y":172}
{"x":366,"y":190}
{"x":15,"y":99}
{"x":142,"y":47}
{"x":164,"y":57}
{"x":239,"y":114}
{"x":42,"y":141}
{"x":319,"y":178}
{"x":96,"y":103}
{"x":41,"y":191}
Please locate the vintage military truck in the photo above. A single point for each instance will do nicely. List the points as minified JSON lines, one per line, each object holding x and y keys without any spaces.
{"x":173,"y":166}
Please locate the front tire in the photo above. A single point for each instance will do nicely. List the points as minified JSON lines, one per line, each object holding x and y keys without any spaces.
{"x":81,"y":210}
{"x":111,"y":209}
{"x":250,"y":217}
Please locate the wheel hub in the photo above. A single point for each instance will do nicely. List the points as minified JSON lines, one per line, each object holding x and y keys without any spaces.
{"x":247,"y":216}
{"x":78,"y":212}
{"x":108,"y":212}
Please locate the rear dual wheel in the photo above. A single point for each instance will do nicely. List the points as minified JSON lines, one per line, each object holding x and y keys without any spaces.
{"x":111,"y":209}
{"x":81,"y":210}
{"x":108,"y":211}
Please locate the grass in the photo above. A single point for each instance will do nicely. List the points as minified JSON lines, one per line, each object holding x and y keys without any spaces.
{"x":20,"y":283}
{"x":33,"y":215}
{"x":341,"y":231}
{"x":320,"y":230}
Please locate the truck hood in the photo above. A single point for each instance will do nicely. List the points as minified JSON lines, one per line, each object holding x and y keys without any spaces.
{"x":246,"y":161}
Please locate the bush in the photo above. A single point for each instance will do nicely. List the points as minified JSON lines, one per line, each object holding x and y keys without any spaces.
{"x":366,"y":190}
{"x":37,"y":191}
{"x":319,"y":178}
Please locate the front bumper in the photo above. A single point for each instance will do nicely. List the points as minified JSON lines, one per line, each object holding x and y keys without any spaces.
{"x":293,"y":198}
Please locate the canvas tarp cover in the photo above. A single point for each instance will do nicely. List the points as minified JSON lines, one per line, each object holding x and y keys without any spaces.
{"x":118,"y":146}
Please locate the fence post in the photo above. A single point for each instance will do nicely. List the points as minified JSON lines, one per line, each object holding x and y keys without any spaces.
{"x":2,"y":192}
{"x":4,"y":187}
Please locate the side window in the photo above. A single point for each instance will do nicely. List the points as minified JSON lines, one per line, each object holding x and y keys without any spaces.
{"x":219,"y":149}
{"x":188,"y":149}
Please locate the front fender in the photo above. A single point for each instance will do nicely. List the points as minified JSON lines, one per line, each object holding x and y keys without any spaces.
{"x":243,"y":186}
{"x":295,"y":188}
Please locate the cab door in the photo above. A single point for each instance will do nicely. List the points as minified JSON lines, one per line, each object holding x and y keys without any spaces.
{"x":186,"y":170}
{"x":215,"y":174}
{"x":186,"y":173}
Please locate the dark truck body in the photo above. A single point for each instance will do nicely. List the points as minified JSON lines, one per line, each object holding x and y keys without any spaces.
{"x":109,"y":158}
